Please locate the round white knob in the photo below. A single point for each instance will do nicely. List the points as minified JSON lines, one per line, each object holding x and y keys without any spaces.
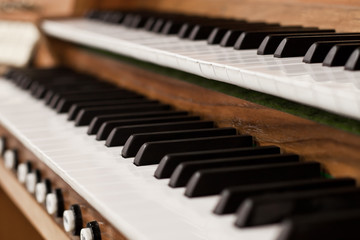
{"x":86,"y":234}
{"x":51,"y":203}
{"x":22,"y":171}
{"x":40,"y":192}
{"x":69,"y":220}
{"x":31,"y":180}
{"x":10,"y":159}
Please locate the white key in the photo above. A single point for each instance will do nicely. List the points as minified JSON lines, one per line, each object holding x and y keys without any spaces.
{"x":282,"y":77}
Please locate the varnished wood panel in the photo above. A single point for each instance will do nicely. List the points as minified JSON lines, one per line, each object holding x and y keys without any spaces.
{"x":337,"y":150}
{"x":48,"y":226}
{"x":11,"y":220}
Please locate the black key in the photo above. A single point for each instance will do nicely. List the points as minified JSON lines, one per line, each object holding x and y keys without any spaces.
{"x":253,"y":39}
{"x":40,"y":90}
{"x":115,"y":17}
{"x":318,"y":51}
{"x":353,"y":63}
{"x":135,"y":141}
{"x":169,"y":162}
{"x":274,"y":208}
{"x":90,"y":95}
{"x":138,"y":21}
{"x":218,"y":33}
{"x":86,"y":115}
{"x":213,"y":181}
{"x":99,"y":120}
{"x":333,"y":225}
{"x":298,"y":46}
{"x":339,"y":54}
{"x":65,"y":103}
{"x":150,"y":22}
{"x":76,"y":108}
{"x":272,"y":41}
{"x":171,"y":27}
{"x":153,"y":152}
{"x":108,"y":126}
{"x":129,"y":17}
{"x":232,"y":35}
{"x":119,"y":135}
{"x":231,"y":198}
{"x":159,"y":25}
{"x":185,"y":170}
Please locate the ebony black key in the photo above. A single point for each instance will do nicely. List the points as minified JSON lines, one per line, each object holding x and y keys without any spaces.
{"x":65,"y":104}
{"x":108,"y":126}
{"x":318,"y":51}
{"x":271,"y":42}
{"x":213,"y":181}
{"x":333,"y":225}
{"x":232,"y":35}
{"x":119,"y":135}
{"x":129,"y":17}
{"x":253,"y":39}
{"x":41,"y":90}
{"x":353,"y":63}
{"x":218,"y":33}
{"x":153,"y":152}
{"x":69,"y":98}
{"x":159,"y":25}
{"x":298,"y":46}
{"x":169,"y":162}
{"x":86,"y":115}
{"x":76,"y":108}
{"x":99,"y":120}
{"x":135,"y":141}
{"x":138,"y":21}
{"x":232,"y":198}
{"x":171,"y":27}
{"x":339,"y":54}
{"x":274,"y":208}
{"x":185,"y":170}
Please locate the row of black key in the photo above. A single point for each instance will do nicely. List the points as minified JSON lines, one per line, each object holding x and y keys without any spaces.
{"x":261,"y":184}
{"x":316,"y":45}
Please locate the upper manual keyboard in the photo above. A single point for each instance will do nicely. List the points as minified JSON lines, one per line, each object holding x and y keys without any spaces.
{"x":233,"y":51}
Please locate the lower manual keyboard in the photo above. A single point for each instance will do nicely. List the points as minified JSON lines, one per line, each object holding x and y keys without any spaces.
{"x":130,"y":197}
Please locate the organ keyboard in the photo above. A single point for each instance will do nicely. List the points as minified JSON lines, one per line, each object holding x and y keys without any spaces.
{"x":150,"y":144}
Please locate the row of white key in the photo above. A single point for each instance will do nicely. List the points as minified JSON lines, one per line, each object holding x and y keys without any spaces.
{"x":332,"y":89}
{"x":138,"y":204}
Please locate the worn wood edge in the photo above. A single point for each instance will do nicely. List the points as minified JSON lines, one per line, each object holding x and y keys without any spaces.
{"x":37,"y":216}
{"x":22,"y":198}
{"x":337,"y":150}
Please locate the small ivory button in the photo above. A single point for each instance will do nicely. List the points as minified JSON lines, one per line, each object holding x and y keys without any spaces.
{"x":86,"y":234}
{"x":10,"y":159}
{"x":22,"y":171}
{"x":40,"y":192}
{"x":69,"y":220}
{"x":51,"y":203}
{"x":30,"y":182}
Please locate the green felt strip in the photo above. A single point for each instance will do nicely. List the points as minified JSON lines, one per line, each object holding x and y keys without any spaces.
{"x":307,"y":112}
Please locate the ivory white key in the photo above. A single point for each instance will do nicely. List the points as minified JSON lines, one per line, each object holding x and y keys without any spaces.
{"x":130,"y":197}
{"x":280,"y":77}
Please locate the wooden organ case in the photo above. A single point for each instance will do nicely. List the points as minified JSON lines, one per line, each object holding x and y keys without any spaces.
{"x":313,"y":134}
